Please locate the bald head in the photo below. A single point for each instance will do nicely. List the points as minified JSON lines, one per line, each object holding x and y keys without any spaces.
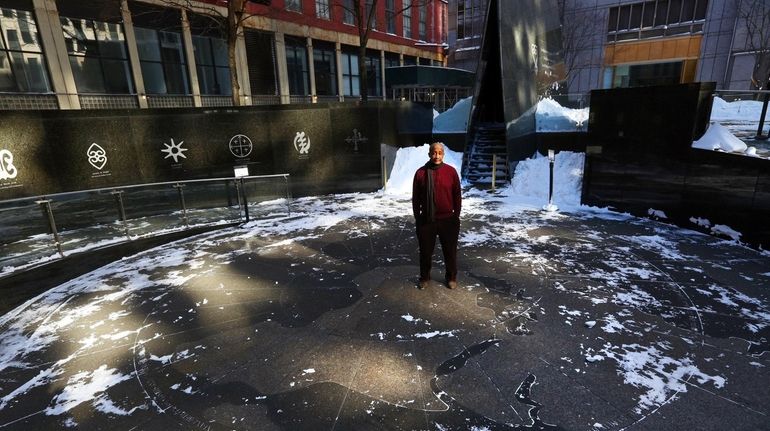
{"x":436,"y":153}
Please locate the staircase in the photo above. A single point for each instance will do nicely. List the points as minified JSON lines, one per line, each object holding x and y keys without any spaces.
{"x":488,"y":140}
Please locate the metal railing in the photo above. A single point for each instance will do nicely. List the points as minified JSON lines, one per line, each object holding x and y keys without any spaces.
{"x":41,"y":228}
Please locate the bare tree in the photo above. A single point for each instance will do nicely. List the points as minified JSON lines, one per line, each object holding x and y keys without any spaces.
{"x":364,"y":13}
{"x":578,"y":26}
{"x":230,"y":24}
{"x":755,"y":14}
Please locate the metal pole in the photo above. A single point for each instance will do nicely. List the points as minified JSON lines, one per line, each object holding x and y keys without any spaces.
{"x":45,"y":205}
{"x":245,"y":200}
{"x":182,"y":204}
{"x":762,"y":119}
{"x":288,"y":194}
{"x":118,"y":194}
{"x":494,"y":169}
{"x":550,"y":183}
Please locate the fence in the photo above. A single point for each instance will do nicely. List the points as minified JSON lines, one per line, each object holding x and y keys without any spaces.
{"x":41,"y":228}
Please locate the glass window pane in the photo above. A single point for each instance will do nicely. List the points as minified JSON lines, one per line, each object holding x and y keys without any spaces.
{"x":112,"y":43}
{"x":30,"y":72}
{"x":636,"y":16}
{"x":176,"y":78}
{"x":7,"y":82}
{"x":202,"y":48}
{"x":117,"y":77}
{"x":354,"y":64}
{"x":688,"y":10}
{"x":648,"y":17}
{"x":355,"y":84}
{"x":147,"y":44}
{"x":612,"y":22}
{"x":346,"y":85}
{"x":223,"y":79}
{"x":88,"y":74}
{"x":661,"y":12}
{"x":207,"y":80}
{"x":700,"y":9}
{"x":171,"y":48}
{"x":673,"y":11}
{"x":219,"y":46}
{"x":22,"y":24}
{"x":625,"y":14}
{"x":154,"y":82}
{"x":346,"y":64}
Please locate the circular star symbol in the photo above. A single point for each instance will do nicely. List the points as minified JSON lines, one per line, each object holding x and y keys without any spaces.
{"x":174,"y":150}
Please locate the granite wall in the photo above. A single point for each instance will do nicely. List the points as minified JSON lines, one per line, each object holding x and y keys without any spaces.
{"x":324,"y":147}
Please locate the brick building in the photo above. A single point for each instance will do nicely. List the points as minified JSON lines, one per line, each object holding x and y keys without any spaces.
{"x":91,"y":54}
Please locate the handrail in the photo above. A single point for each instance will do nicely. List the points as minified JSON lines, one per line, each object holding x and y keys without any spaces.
{"x":133,"y":186}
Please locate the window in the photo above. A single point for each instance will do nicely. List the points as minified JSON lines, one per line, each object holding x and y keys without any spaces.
{"x":297,"y":67}
{"x":461,"y":19}
{"x":98,"y":56}
{"x":294,"y":5}
{"x":373,"y":75}
{"x":22,"y":65}
{"x":368,"y":10}
{"x":325,"y":70}
{"x":212,"y":65}
{"x":162,"y":59}
{"x":423,"y":17}
{"x":322,"y":9}
{"x":347,"y":16}
{"x":390,"y":16}
{"x":391,"y":60}
{"x":655,"y":18}
{"x":470,"y":18}
{"x":350,"y":77}
{"x":647,"y":74}
{"x":407,"y":16}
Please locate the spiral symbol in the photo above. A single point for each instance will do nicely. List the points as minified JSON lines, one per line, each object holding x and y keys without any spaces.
{"x":7,"y":169}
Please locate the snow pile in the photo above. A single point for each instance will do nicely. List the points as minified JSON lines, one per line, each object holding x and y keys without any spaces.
{"x":550,"y":116}
{"x":454,"y":119}
{"x":531,"y":178}
{"x":738,"y":111}
{"x":717,"y":137}
{"x":408,"y":160}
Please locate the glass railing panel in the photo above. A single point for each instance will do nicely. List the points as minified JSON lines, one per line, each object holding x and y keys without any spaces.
{"x":153,"y":209}
{"x":267,"y":196}
{"x":211,"y":202}
{"x":87,"y":220}
{"x":24,"y":235}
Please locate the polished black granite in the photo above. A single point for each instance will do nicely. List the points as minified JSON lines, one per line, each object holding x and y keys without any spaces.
{"x":320,"y":145}
{"x":640,"y":158}
{"x":560,"y":322}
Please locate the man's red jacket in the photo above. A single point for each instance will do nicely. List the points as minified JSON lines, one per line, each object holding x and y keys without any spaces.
{"x":446,"y":193}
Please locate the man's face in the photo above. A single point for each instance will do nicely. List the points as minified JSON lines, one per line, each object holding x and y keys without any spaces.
{"x":436,"y":154}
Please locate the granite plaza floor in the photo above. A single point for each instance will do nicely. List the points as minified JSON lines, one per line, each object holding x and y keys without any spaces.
{"x":584,"y":321}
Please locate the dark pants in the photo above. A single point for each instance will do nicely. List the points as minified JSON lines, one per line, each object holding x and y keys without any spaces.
{"x":448,"y":230}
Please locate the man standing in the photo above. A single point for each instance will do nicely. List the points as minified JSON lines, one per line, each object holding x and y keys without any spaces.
{"x":436,"y":202}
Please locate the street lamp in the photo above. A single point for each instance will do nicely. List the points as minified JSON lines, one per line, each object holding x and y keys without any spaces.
{"x":551,"y":158}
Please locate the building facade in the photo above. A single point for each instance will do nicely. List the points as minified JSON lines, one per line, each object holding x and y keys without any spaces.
{"x":92,"y":54}
{"x":624,"y":43}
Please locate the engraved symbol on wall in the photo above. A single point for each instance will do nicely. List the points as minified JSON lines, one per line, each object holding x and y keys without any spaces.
{"x":174,"y":150}
{"x":97,"y":156}
{"x":356,"y":139}
{"x":302,"y":143}
{"x":240,"y":145}
{"x":7,"y":169}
